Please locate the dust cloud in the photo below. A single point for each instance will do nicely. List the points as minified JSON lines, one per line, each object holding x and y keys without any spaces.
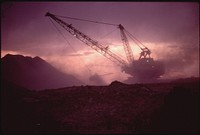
{"x":169,"y":29}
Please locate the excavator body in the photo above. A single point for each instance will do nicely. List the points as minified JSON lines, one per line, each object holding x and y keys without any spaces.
{"x":145,"y":68}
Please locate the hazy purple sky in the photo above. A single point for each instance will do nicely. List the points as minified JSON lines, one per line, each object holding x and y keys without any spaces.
{"x":169,"y":29}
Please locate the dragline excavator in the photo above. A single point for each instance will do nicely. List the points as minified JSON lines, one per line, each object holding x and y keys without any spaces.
{"x":143,"y":68}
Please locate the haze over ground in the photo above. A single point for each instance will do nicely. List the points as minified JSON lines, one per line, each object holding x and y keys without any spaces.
{"x":169,"y":29}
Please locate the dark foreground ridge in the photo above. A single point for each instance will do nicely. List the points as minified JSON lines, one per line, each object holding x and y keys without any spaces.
{"x":117,"y":108}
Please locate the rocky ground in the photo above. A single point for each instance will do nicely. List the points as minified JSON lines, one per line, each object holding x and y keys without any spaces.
{"x":171,"y":107}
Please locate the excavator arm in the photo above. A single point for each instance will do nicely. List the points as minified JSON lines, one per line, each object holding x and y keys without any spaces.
{"x":88,"y":41}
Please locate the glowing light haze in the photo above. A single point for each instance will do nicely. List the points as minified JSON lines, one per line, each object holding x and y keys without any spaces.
{"x":169,"y":29}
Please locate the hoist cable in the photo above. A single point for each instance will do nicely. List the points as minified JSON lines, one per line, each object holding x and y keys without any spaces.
{"x":62,"y":35}
{"x":108,"y":33}
{"x":67,"y":17}
{"x":69,"y":44}
{"x":135,"y":39}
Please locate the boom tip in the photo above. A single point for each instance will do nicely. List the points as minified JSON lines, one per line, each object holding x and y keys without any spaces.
{"x":47,"y":14}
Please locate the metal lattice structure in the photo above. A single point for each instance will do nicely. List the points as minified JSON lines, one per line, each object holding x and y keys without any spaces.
{"x":127,"y":48}
{"x":90,"y":42}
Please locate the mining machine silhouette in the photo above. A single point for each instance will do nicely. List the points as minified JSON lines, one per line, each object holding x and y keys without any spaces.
{"x":143,"y":68}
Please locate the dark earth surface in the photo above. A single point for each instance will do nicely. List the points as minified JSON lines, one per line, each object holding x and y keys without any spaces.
{"x":170,"y":107}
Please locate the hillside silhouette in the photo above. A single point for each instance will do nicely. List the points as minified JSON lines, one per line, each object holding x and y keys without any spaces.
{"x":34,"y":73}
